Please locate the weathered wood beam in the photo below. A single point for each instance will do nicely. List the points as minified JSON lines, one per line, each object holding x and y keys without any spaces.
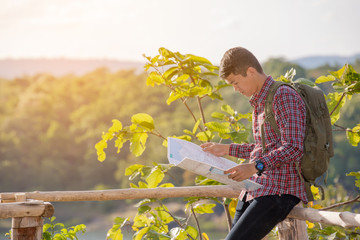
{"x":343,"y":219}
{"x":24,"y":209}
{"x":129,"y":193}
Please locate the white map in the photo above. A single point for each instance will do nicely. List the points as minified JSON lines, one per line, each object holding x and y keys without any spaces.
{"x":191,"y":157}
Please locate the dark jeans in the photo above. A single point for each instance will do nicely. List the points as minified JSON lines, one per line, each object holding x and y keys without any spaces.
{"x":256,"y":218}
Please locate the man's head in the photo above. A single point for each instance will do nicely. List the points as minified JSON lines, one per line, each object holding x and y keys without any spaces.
{"x":240,"y":68}
{"x":237,"y":61}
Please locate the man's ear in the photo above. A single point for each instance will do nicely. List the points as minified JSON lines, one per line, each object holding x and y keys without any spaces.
{"x":251,"y":71}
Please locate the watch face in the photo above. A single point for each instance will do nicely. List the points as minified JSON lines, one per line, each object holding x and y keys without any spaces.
{"x":260,"y":166}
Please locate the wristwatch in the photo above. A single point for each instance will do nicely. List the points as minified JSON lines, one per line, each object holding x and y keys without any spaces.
{"x":260,"y":166}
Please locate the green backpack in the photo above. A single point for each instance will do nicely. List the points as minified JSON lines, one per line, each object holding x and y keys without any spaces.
{"x":318,"y":142}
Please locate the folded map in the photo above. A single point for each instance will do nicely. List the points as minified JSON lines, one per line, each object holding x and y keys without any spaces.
{"x":190,"y":156}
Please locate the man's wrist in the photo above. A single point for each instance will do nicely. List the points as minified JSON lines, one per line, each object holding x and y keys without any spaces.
{"x":227,"y":149}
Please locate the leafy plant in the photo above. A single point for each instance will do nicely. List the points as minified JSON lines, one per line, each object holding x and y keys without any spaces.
{"x":58,"y":231}
{"x":154,"y":220}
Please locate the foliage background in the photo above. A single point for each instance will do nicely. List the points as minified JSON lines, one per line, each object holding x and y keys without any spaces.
{"x":49,"y":126}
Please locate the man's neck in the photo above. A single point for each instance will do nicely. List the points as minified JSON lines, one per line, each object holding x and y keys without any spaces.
{"x":261,"y":79}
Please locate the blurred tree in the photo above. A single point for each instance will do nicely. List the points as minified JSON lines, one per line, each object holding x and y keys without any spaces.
{"x":278,"y":66}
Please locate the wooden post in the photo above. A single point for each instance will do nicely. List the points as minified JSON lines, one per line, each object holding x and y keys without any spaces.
{"x":26,"y":228}
{"x":293,"y":229}
{"x":27,"y":217}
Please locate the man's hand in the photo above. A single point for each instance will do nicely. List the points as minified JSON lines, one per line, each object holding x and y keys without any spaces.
{"x":241,"y":171}
{"x":216,"y":149}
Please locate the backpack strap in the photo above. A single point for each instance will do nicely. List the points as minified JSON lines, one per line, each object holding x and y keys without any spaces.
{"x":269,"y":113}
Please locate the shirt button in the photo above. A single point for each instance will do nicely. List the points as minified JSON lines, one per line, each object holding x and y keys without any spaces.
{"x":278,"y":165}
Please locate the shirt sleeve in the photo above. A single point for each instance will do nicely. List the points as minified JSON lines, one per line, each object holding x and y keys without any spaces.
{"x":290,"y":116}
{"x":241,"y":150}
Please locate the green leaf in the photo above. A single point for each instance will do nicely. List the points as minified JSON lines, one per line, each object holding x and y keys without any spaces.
{"x":100,"y":146}
{"x":164,"y":215}
{"x":173,"y":97}
{"x":332,"y":101}
{"x":215,"y":95}
{"x":239,"y":137}
{"x":166,"y":185}
{"x":356,"y":128}
{"x":247,"y":116}
{"x":168,"y":74}
{"x":192,"y":231}
{"x":142,"y":184}
{"x":144,"y":209}
{"x":338,"y":74}
{"x":156,"y":235}
{"x":146,"y":170}
{"x":224,"y":135}
{"x":183,"y":137}
{"x":188,"y":132}
{"x":121,"y":221}
{"x":205,"y":136}
{"x":133,"y":185}
{"x":353,"y":137}
{"x":218,"y":127}
{"x":353,"y":88}
{"x":116,"y":127}
{"x":201,"y":180}
{"x":144,"y":120}
{"x":182,"y":78}
{"x":180,"y":219}
{"x":198,"y":59}
{"x":196,"y":126}
{"x":227,"y":109}
{"x":305,"y":82}
{"x":142,"y":202}
{"x":323,"y":79}
{"x":165,"y":52}
{"x":139,"y":234}
{"x":107,"y":136}
{"x":46,"y":227}
{"x":133,"y":168}
{"x":218,"y":115}
{"x":154,"y":78}
{"x":119,"y":142}
{"x":155,"y":177}
{"x":195,"y":91}
{"x":137,"y":143}
{"x":179,"y":56}
{"x":222,"y":84}
{"x":202,"y":208}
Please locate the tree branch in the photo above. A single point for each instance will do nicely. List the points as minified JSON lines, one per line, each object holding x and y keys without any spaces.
{"x":337,"y":105}
{"x":341,"y":204}
{"x":201,"y":110}
{"x":227,"y":213}
{"x":197,"y":222}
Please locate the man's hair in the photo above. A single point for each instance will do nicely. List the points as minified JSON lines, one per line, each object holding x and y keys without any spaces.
{"x":237,"y":61}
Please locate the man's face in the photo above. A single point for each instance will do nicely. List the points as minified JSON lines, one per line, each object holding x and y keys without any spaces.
{"x":244,"y":85}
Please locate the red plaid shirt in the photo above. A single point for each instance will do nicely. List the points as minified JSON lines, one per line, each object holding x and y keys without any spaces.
{"x":280,"y":175}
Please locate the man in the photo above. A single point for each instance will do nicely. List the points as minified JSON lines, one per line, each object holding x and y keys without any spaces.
{"x":258,"y":212}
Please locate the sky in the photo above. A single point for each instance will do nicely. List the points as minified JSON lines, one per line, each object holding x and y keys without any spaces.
{"x":124,"y":30}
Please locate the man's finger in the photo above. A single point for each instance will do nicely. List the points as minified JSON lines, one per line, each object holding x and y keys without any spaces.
{"x":205,"y":145}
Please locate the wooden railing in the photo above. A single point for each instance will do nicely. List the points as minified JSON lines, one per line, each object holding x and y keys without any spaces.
{"x":28,"y":209}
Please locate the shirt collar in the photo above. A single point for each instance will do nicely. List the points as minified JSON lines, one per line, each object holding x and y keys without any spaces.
{"x":260,"y":97}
